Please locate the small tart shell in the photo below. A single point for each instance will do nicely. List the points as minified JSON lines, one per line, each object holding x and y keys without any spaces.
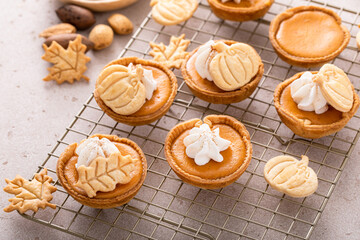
{"x":135,"y":119}
{"x":299,"y":126}
{"x":305,"y":62}
{"x":240,"y":14}
{"x":223,"y":97}
{"x":198,"y":181}
{"x":101,"y":202}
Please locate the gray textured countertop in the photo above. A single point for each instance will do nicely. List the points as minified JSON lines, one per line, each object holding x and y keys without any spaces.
{"x":34,"y":114}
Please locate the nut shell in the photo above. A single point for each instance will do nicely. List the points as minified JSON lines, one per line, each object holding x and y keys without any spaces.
{"x":120,"y":24}
{"x":64,"y":39}
{"x":102,"y":36}
{"x":81,"y":18}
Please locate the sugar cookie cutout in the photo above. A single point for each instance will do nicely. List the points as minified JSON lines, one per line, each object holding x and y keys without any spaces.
{"x":290,"y":176}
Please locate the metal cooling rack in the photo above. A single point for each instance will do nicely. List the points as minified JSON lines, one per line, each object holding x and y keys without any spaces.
{"x":165,"y":207}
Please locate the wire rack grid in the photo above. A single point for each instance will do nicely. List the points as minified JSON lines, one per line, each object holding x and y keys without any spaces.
{"x":167,"y":208}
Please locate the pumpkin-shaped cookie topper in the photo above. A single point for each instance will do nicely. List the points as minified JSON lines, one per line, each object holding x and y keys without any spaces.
{"x":233,"y":66}
{"x":121,"y":89}
{"x":290,"y":176}
{"x":171,"y":12}
{"x":335,"y":87}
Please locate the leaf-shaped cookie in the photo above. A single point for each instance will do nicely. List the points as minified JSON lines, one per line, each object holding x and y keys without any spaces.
{"x":104,"y":173}
{"x":233,"y":66}
{"x":290,"y":176}
{"x":121,"y":89}
{"x":172,"y":55}
{"x":335,"y":87}
{"x":30,"y":195}
{"x":69,"y":64}
{"x":171,"y":12}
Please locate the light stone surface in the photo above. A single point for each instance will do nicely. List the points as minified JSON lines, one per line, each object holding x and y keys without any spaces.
{"x":34,"y":114}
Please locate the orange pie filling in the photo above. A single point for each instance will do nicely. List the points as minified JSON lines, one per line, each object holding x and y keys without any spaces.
{"x":310,"y":34}
{"x":129,"y":172}
{"x":233,"y":156}
{"x":242,"y":4}
{"x":287,"y":103}
{"x":160,"y":95}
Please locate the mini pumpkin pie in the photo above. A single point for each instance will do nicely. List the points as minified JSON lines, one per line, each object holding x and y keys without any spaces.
{"x":209,"y":154}
{"x":240,"y":10}
{"x":308,"y":36}
{"x":135,"y":91}
{"x":103,"y":171}
{"x":316,"y":104}
{"x":223,"y":71}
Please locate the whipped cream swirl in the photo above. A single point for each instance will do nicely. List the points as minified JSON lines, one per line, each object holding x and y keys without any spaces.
{"x":202,"y":60}
{"x":147,"y":79}
{"x":307,"y":94}
{"x":92,"y":148}
{"x":236,"y":1}
{"x":203,"y":144}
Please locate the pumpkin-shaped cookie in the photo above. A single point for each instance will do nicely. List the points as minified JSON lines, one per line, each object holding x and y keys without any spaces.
{"x":122,"y":89}
{"x":233,"y":66}
{"x":335,"y":87}
{"x":171,"y":12}
{"x":290,"y":176}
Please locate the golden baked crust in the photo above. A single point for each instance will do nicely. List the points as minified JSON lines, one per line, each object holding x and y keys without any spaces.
{"x":299,"y":126}
{"x":220,"y":96}
{"x":140,"y":119}
{"x":107,"y":200}
{"x":248,"y":9}
{"x":307,"y":61}
{"x":202,"y":181}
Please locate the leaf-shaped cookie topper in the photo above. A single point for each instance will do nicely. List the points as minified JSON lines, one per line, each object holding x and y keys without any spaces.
{"x":290,"y":176}
{"x":69,"y":64}
{"x":172,"y":55}
{"x":335,"y":87}
{"x":104,"y":173}
{"x":30,"y":195}
{"x":233,"y":66}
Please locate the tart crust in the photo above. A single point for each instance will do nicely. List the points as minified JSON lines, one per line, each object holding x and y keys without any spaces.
{"x":102,"y":200}
{"x":220,"y":96}
{"x":300,"y":126}
{"x":307,"y":61}
{"x":248,"y":10}
{"x":202,"y":181}
{"x":140,"y":117}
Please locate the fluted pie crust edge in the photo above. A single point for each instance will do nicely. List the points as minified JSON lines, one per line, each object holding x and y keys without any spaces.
{"x":102,"y":203}
{"x":298,"y":125}
{"x":146,"y":119}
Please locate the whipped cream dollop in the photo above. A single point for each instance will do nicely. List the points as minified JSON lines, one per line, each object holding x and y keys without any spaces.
{"x":202,"y":60}
{"x":236,"y":1}
{"x":92,"y":148}
{"x":147,"y":79}
{"x":203,"y":144}
{"x":307,"y":94}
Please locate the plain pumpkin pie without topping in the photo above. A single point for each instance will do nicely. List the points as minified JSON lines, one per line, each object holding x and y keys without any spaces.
{"x":245,"y":10}
{"x":209,"y":154}
{"x":121,"y":172}
{"x":308,"y":36}
{"x":340,"y":102}
{"x":223,"y":71}
{"x":135,"y":91}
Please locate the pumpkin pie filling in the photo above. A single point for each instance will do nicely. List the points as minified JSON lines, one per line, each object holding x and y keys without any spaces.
{"x":234,"y":156}
{"x":287,"y":103}
{"x":71,"y":173}
{"x":301,"y":34}
{"x":160,"y":95}
{"x":242,"y":4}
